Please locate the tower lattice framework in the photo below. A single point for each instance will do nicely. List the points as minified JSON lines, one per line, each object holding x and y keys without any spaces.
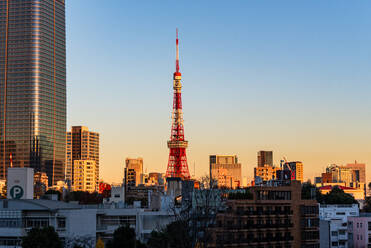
{"x":177,"y":166}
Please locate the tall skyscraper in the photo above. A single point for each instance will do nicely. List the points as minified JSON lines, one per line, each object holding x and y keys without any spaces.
{"x":82,"y":144}
{"x":225,"y":170}
{"x":33,"y":86}
{"x":265,"y":158}
{"x":177,"y":166}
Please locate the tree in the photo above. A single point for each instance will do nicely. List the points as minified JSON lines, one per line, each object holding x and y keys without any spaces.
{"x":175,"y":235}
{"x":84,"y":197}
{"x":338,"y":196}
{"x":124,"y":236}
{"x":310,"y":191}
{"x":40,"y":238}
{"x":80,"y":242}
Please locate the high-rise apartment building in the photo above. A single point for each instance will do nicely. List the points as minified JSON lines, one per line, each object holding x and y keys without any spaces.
{"x":265,"y":158}
{"x":84,"y":176}
{"x":134,"y":171}
{"x":296,"y":169}
{"x":33,"y":86}
{"x":82,"y":144}
{"x":225,"y":170}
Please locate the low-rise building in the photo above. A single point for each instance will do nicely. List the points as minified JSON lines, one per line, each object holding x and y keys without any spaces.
{"x":72,"y":221}
{"x":338,"y":215}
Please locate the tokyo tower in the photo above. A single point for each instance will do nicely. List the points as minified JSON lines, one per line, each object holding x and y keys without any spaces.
{"x":177,"y":166}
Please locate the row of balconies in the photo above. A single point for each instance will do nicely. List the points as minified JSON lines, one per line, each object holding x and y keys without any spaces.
{"x":255,"y":226}
{"x":259,"y":213}
{"x":255,"y":240}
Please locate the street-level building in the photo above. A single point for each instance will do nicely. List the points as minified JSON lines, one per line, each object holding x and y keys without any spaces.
{"x":74,"y":222}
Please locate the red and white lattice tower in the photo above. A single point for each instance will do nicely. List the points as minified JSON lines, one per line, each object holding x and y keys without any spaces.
{"x":177,"y":166}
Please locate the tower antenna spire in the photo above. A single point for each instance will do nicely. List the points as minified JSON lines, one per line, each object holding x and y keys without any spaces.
{"x":177,"y":52}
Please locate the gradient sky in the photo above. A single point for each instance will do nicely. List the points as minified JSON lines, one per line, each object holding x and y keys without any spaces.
{"x":289,"y":76}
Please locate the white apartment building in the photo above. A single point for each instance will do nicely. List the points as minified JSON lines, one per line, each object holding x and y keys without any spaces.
{"x":337,"y":216}
{"x":73,"y":221}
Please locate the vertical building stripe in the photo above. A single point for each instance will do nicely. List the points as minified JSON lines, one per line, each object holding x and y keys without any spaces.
{"x":5,"y":86}
{"x":54,"y":115}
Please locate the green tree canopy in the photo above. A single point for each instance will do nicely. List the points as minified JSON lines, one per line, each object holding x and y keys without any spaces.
{"x":41,"y":238}
{"x":338,"y":196}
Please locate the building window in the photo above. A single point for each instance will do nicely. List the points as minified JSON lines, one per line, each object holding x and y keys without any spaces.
{"x":61,"y":222}
{"x":334,"y":233}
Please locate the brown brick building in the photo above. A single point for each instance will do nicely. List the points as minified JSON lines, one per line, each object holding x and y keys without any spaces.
{"x":268,"y":217}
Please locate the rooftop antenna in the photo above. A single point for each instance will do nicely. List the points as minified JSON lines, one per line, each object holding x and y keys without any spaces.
{"x":177,"y":52}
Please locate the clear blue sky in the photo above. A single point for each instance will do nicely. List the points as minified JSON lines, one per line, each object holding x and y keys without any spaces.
{"x":291,"y":76}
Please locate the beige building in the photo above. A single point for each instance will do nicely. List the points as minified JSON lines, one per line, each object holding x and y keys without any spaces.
{"x":82,"y":144}
{"x":226,"y":170}
{"x":85,"y":178}
{"x":134,"y":171}
{"x":266,"y":172}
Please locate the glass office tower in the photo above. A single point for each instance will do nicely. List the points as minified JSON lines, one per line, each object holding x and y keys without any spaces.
{"x":33,"y":86}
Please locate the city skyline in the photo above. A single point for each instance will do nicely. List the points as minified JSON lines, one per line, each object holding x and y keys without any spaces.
{"x":288,"y":82}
